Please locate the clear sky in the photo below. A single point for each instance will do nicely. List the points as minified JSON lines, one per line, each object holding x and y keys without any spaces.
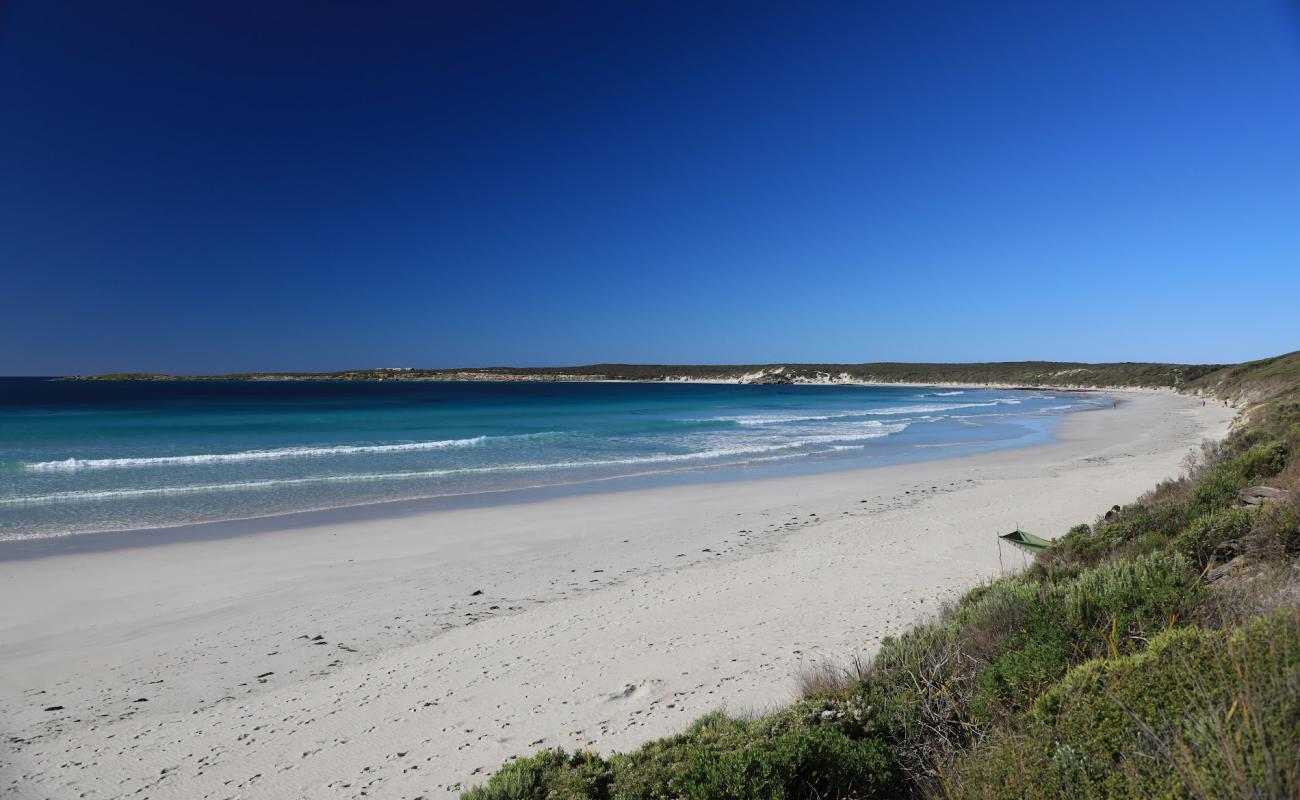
{"x":198,"y":187}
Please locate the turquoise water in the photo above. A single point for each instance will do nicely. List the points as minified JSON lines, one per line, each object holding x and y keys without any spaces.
{"x":80,"y":457}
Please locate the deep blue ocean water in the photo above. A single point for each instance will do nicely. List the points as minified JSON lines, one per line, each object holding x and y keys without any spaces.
{"x":79,"y":457}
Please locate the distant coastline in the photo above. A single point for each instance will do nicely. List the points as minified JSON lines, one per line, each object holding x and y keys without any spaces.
{"x":1017,"y":374}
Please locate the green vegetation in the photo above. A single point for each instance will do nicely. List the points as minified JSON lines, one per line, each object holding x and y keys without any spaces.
{"x":1196,"y":713}
{"x":1018,"y":373}
{"x":1270,"y":379}
{"x":1014,"y":373}
{"x":800,"y":752}
{"x":133,"y":376}
{"x":1153,"y":655}
{"x":1256,"y":383}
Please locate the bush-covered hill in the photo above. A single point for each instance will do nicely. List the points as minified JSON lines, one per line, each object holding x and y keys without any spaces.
{"x":1156,"y":655}
{"x":1015,"y":373}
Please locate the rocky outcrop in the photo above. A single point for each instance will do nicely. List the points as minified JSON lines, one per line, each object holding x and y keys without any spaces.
{"x":1258,"y":495}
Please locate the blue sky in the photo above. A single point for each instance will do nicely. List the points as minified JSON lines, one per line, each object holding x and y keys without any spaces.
{"x":260,"y":185}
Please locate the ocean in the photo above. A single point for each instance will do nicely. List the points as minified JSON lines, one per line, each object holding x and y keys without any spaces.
{"x":86,"y":457}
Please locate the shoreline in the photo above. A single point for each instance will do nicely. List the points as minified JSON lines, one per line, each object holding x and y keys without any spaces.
{"x":603,"y":620}
{"x":35,"y":547}
{"x":740,"y":380}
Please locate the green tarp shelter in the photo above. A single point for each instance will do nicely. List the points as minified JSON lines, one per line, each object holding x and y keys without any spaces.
{"x":1031,"y":544}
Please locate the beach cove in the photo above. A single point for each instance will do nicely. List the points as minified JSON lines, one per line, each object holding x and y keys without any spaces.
{"x":411,"y":655}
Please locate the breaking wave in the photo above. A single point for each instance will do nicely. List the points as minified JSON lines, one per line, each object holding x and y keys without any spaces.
{"x":249,"y":455}
{"x":658,"y":458}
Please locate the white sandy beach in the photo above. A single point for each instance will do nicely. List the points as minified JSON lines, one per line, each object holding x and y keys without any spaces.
{"x":360,"y":659}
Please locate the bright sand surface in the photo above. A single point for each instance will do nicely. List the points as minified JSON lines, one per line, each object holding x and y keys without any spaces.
{"x":359,"y":658}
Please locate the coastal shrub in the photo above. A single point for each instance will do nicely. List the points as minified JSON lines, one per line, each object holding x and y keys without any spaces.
{"x":1208,"y":531}
{"x":1175,"y":492}
{"x":1258,"y":588}
{"x":1116,"y":606}
{"x":935,"y":690}
{"x":1284,"y":418}
{"x":1143,"y":545}
{"x":1140,"y":519}
{"x":548,"y":775}
{"x":1216,"y":490}
{"x":1219,"y":486}
{"x":920,"y":688}
{"x":1277,"y":528}
{"x":1199,"y":713}
{"x":1080,"y":545}
{"x":986,"y":615}
{"x":901,"y":688}
{"x":1213,"y":454}
{"x":1030,"y":659}
{"x":1263,"y":460}
{"x":941,"y":687}
{"x":804,"y":763}
{"x":781,"y":757}
{"x":822,"y":678}
{"x":938,"y":688}
{"x":1141,"y":528}
{"x":1053,"y":570}
{"x":786,"y":756}
{"x":1111,"y":608}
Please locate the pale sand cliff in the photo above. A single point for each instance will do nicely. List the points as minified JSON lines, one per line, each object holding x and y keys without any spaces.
{"x":357,"y":659}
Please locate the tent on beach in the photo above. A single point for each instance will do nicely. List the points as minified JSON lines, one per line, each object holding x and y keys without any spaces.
{"x":1031,"y":544}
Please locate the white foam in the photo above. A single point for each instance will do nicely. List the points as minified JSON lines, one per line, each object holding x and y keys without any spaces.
{"x":930,"y":409}
{"x":659,"y":458}
{"x":248,"y":455}
{"x":777,"y":420}
{"x":750,"y":419}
